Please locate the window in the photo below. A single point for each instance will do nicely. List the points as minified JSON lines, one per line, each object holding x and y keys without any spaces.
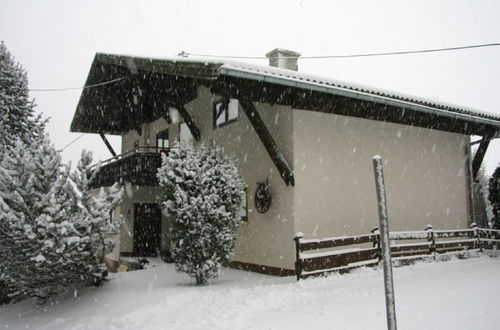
{"x":225,"y":112}
{"x":243,"y":207}
{"x":185,"y":134}
{"x":162,"y":140}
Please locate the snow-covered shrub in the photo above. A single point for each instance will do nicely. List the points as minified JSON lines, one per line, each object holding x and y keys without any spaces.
{"x":202,"y":194}
{"x":52,"y":233}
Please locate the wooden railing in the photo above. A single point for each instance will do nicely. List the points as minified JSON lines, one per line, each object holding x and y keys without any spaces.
{"x":137,"y":166}
{"x":346,"y":253}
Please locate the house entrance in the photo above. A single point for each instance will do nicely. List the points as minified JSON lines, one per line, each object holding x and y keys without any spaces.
{"x":147,"y":229}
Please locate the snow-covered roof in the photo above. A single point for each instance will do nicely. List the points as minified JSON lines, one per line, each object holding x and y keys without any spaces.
{"x":226,"y":66}
{"x":187,"y":72}
{"x":339,"y":86}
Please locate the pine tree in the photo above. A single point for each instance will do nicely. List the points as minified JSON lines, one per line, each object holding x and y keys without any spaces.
{"x":494,"y":196}
{"x":51,"y":236}
{"x":53,"y":231}
{"x":481,"y":203}
{"x":202,"y":195}
{"x":17,"y":119}
{"x":95,"y":212}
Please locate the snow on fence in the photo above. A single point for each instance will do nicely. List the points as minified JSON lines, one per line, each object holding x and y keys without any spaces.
{"x":342,"y":254}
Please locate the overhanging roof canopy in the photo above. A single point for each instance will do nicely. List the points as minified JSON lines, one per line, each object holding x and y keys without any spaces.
{"x":148,"y":86}
{"x":123,"y":92}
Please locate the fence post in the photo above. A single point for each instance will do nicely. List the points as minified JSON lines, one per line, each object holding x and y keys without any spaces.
{"x":431,"y":239}
{"x":298,"y":260}
{"x":376,"y":242}
{"x":475,"y":232}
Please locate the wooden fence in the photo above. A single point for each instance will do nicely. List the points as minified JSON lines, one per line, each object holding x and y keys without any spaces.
{"x":341,"y":254}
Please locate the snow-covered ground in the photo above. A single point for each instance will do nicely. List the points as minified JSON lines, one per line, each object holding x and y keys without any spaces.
{"x":457,"y":294}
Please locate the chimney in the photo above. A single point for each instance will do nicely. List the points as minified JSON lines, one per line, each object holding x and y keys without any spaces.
{"x":283,"y":58}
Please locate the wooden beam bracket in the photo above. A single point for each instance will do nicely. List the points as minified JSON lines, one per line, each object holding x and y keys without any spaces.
{"x":479,"y":156}
{"x":189,"y":122}
{"x":106,"y":142}
{"x":268,"y":142}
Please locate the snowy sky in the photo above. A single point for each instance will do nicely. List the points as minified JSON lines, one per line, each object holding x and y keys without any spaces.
{"x":56,"y":41}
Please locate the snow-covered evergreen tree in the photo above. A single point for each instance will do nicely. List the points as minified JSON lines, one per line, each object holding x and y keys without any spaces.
{"x":95,"y":211}
{"x":52,"y":236}
{"x":481,"y":203}
{"x":494,"y":196}
{"x":202,"y":195}
{"x":17,"y":119}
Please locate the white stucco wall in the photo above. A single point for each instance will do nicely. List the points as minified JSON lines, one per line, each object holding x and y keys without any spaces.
{"x":335,"y":189}
{"x":334,"y":193}
{"x":266,"y":239}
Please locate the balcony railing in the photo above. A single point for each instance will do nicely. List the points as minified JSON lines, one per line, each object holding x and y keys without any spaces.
{"x":137,"y":166}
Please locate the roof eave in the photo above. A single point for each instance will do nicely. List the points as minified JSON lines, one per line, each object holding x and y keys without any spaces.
{"x":360,"y":96}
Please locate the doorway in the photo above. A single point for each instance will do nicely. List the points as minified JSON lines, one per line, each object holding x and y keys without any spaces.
{"x":147,"y":229}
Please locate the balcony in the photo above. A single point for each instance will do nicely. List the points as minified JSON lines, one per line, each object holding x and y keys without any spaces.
{"x":138,"y":166}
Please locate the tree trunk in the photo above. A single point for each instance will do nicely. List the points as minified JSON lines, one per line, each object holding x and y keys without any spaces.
{"x":201,"y":280}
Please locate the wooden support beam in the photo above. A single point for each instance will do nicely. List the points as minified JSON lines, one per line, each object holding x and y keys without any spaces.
{"x":268,"y":141}
{"x":189,"y":122}
{"x":470,"y":183}
{"x":479,"y":156}
{"x":138,"y":129}
{"x":106,"y":142}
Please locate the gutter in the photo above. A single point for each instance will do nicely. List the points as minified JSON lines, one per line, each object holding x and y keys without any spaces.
{"x":360,"y":96}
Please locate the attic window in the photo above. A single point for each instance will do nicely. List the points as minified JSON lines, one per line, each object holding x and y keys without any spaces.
{"x":162,"y":140}
{"x":225,"y":111}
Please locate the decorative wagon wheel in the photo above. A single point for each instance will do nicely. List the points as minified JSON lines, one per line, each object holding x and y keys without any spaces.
{"x":263,"y":196}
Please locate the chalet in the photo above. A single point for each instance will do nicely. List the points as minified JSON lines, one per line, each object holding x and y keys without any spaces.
{"x":304,"y":146}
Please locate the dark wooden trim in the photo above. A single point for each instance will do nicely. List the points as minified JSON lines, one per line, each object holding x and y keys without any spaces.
{"x":189,"y":122}
{"x":137,"y":168}
{"x":262,"y":269}
{"x":305,"y":99}
{"x":224,"y":103}
{"x":338,"y":260}
{"x":340,"y":270}
{"x":479,"y":156}
{"x":268,"y":141}
{"x":126,"y":254}
{"x":298,"y":260}
{"x":106,"y":142}
{"x":470,"y":184}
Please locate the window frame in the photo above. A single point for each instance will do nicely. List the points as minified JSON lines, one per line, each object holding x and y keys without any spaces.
{"x":223,"y":110}
{"x":163,"y":131}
